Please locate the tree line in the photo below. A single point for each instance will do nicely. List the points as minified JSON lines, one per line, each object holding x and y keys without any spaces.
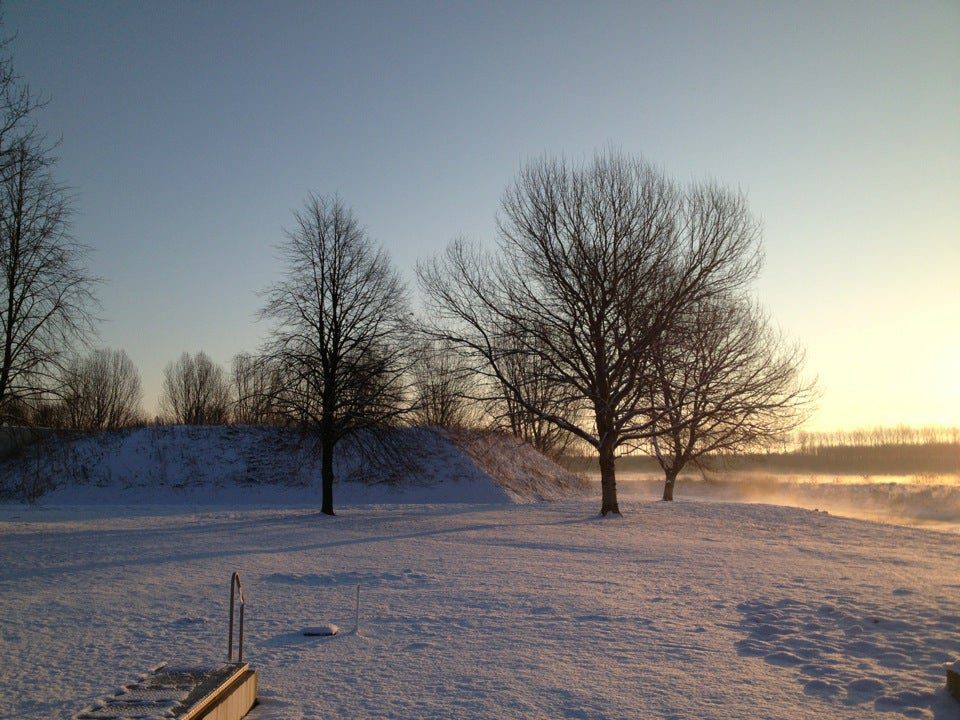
{"x":811,"y":443}
{"x":615,"y":310}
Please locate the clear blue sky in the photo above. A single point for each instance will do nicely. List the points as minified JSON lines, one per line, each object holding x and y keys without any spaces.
{"x":191,"y":130}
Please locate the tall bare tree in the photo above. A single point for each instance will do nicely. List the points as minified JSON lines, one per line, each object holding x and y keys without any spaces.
{"x":725,"y":381}
{"x":594,"y":263}
{"x":341,"y":330}
{"x":101,"y":391}
{"x":195,"y":391}
{"x":46,"y":292}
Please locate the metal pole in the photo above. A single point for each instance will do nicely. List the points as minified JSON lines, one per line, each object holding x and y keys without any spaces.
{"x":236,"y":589}
{"x":356,"y":619}
{"x":230,"y":632}
{"x":240,"y":641}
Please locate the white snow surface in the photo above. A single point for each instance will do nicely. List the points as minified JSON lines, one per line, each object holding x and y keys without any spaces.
{"x":258,"y":466}
{"x":676,"y":610}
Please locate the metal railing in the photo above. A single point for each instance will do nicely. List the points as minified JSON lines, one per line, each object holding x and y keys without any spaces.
{"x":236,"y":589}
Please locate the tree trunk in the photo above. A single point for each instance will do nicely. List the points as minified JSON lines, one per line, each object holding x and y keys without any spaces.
{"x":668,"y":485}
{"x":326,"y":475}
{"x":608,"y":481}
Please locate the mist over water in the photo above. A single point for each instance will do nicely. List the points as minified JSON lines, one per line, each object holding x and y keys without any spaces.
{"x":928,"y":501}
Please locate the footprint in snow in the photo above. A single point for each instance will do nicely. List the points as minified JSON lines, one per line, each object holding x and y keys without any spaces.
{"x":818,"y":669}
{"x":784,"y":659}
{"x":414,"y":646}
{"x":821,"y":688}
{"x":889,"y":655}
{"x":188,"y":621}
{"x":864,"y":689}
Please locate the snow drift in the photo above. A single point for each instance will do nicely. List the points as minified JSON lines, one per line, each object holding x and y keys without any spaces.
{"x":257,"y":465}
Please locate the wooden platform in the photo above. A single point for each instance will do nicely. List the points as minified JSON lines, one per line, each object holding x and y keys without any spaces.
{"x":953,"y":680}
{"x":225,"y":692}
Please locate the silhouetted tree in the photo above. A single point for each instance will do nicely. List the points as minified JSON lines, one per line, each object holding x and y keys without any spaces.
{"x":444,"y":388}
{"x":101,"y":391}
{"x":341,"y":330}
{"x":46,"y":302}
{"x":195,"y":391}
{"x":46,"y":293}
{"x":256,"y":387}
{"x":17,"y":105}
{"x":594,"y":263}
{"x":724,"y":381}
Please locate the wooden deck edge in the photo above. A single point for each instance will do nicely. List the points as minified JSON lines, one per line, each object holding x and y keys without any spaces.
{"x":953,"y":680}
{"x":231,"y":700}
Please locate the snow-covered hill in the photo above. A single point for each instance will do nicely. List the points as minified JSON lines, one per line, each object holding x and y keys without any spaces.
{"x":264,"y":465}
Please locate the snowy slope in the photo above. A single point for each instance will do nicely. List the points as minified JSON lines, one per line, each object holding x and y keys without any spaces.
{"x":218,"y":465}
{"x":517,"y":467}
{"x":682,"y":610}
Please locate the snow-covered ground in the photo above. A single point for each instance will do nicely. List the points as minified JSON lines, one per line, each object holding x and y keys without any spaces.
{"x":682,"y":610}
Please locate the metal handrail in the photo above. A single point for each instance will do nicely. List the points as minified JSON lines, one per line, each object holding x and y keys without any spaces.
{"x":236,"y":588}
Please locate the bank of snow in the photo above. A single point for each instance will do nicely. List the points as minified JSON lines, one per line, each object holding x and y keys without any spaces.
{"x":219,"y":465}
{"x":676,"y":610}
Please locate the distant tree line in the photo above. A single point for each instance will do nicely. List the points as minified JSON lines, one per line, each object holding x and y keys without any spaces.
{"x":812,"y":443}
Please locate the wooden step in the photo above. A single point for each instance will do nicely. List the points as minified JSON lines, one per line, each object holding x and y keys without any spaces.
{"x":223,"y":692}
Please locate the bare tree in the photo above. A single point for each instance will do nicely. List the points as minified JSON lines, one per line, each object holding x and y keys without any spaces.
{"x":17,"y":105}
{"x":594,"y":263}
{"x":444,"y":388}
{"x":195,"y":391}
{"x":341,"y":330}
{"x":46,"y":302}
{"x":101,"y":391}
{"x":725,"y":381}
{"x":45,"y":291}
{"x":256,"y":387}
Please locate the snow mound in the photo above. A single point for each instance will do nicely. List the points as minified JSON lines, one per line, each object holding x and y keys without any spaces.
{"x":517,"y":467}
{"x":240,"y":465}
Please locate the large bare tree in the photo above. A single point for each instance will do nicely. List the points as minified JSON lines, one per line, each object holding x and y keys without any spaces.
{"x":724,"y":381}
{"x":594,"y":263}
{"x":195,"y":391}
{"x":101,"y":391}
{"x":341,"y":330}
{"x":46,"y":292}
